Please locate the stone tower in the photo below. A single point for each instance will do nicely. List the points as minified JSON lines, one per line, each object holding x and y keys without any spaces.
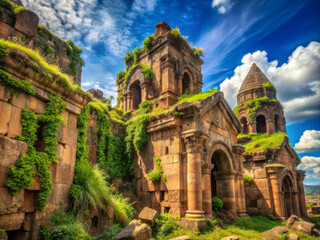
{"x":259,"y":109}
{"x":175,"y":66}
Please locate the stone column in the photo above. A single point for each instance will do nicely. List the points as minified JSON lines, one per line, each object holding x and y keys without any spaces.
{"x":271,"y":127}
{"x":129,"y":101}
{"x":124,"y":102}
{"x":296,"y":205}
{"x":206,"y":189}
{"x":302,"y":199}
{"x":144,"y":92}
{"x":252,"y":127}
{"x":274,"y":172}
{"x":238,"y":151}
{"x":194,"y":141}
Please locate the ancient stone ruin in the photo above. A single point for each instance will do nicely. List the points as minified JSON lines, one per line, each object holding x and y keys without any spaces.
{"x":166,"y":145}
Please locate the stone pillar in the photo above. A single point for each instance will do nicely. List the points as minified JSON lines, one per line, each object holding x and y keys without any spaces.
{"x":274,"y":172}
{"x":180,"y":85}
{"x":295,"y":204}
{"x":125,"y":102}
{"x":238,"y":151}
{"x":129,"y":101}
{"x":302,"y":199}
{"x":144,"y":92}
{"x":194,"y":141}
{"x":252,"y":127}
{"x":271,"y":127}
{"x":206,"y":189}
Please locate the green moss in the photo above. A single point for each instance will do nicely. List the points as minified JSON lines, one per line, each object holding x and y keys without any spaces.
{"x":198,"y":52}
{"x":260,"y":142}
{"x":42,"y":34}
{"x":269,"y":85}
{"x":156,"y":173}
{"x":236,"y":110}
{"x":15,"y":7}
{"x":175,"y":32}
{"x":274,"y":165}
{"x":45,"y":48}
{"x":74,"y":56}
{"x":3,"y":50}
{"x":120,"y":75}
{"x":37,"y":163}
{"x":247,"y":180}
{"x":195,"y":97}
{"x":255,"y":104}
{"x":147,"y":43}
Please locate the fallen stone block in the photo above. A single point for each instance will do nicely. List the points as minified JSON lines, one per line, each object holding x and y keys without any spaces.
{"x":303,"y":226}
{"x":134,"y":231}
{"x":11,"y":222}
{"x":270,"y":235}
{"x":291,"y":220}
{"x":316,"y":232}
{"x":292,"y":236}
{"x":148,"y":215}
{"x":280,"y":230}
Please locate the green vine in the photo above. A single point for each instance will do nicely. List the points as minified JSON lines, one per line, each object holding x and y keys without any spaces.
{"x":147,"y":43}
{"x":255,"y":104}
{"x":37,"y":163}
{"x":74,"y":56}
{"x":236,"y":110}
{"x":247,"y":179}
{"x":157,"y":172}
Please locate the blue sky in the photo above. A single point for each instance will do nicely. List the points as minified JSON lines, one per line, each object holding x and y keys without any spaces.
{"x":282,"y":37}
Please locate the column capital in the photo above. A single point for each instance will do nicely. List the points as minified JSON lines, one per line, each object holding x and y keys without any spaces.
{"x":206,"y":168}
{"x":274,"y":168}
{"x":194,"y":140}
{"x":238,"y":149}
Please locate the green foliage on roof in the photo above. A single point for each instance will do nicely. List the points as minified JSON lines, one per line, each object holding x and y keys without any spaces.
{"x":236,"y":110}
{"x":269,"y":85}
{"x":198,"y":52}
{"x":120,"y":75}
{"x":15,"y":7}
{"x":147,"y":43}
{"x":261,"y":142}
{"x":186,"y":97}
{"x":255,"y":104}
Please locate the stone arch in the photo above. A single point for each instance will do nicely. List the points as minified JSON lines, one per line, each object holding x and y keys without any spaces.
{"x":135,"y":89}
{"x":288,"y":193}
{"x":244,"y":125}
{"x":277,"y":123}
{"x":186,"y":81}
{"x":261,"y":124}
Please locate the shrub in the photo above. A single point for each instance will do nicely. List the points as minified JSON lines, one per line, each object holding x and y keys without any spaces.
{"x":236,"y":110}
{"x":156,"y":173}
{"x":120,"y":75}
{"x":123,"y":210}
{"x":109,"y":233}
{"x":247,"y":180}
{"x":147,"y":43}
{"x":217,"y":204}
{"x":164,"y":225}
{"x":269,"y":85}
{"x":45,"y":48}
{"x":70,"y":231}
{"x":198,"y":52}
{"x":310,"y":205}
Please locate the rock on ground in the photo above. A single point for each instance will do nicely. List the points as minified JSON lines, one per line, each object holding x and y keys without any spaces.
{"x":303,"y":226}
{"x":181,"y":238}
{"x":134,"y":231}
{"x":292,"y":236}
{"x":279,"y":230}
{"x":148,"y":215}
{"x":270,"y":235}
{"x":231,"y":238}
{"x":291,"y":220}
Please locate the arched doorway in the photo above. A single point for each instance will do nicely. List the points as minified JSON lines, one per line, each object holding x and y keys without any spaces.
{"x":135,"y":89}
{"x":244,"y":124}
{"x":261,"y":124}
{"x":287,"y":196}
{"x":186,"y":83}
{"x":277,"y":123}
{"x":222,"y":180}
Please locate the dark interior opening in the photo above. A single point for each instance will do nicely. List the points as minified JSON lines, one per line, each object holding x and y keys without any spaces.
{"x":166,"y":150}
{"x":166,"y":209}
{"x":185,"y":83}
{"x":136,"y":94}
{"x":40,"y":144}
{"x":261,"y":124}
{"x":277,"y":123}
{"x":287,"y":195}
{"x":162,"y":196}
{"x":95,"y":221}
{"x":244,"y":124}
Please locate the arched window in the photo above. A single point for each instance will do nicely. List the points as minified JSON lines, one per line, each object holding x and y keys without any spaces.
{"x":135,"y":90}
{"x":244,"y":124}
{"x":186,"y":83}
{"x":287,"y":196}
{"x":261,"y":124}
{"x":221,"y":163}
{"x":277,"y":123}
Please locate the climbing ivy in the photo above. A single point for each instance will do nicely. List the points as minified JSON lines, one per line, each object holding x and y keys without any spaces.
{"x":74,"y":56}
{"x":37,"y":163}
{"x":156,"y":173}
{"x":147,"y":43}
{"x":255,"y":104}
{"x":236,"y":110}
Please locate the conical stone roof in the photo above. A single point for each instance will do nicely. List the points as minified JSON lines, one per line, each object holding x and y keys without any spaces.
{"x":254,"y":79}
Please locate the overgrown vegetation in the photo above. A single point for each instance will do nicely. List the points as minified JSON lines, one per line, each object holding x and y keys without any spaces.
{"x":186,"y":97}
{"x":217,"y":204}
{"x":109,"y":233}
{"x":260,"y":142}
{"x":269,"y":85}
{"x":147,"y":43}
{"x":255,"y":104}
{"x":236,"y":110}
{"x":14,"y":7}
{"x":247,"y":179}
{"x":156,"y":173}
{"x":198,"y":52}
{"x":37,"y":163}
{"x":45,"y":48}
{"x":164,"y":226}
{"x":74,"y":56}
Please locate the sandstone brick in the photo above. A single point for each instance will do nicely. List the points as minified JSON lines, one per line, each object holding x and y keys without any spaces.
{"x":148,"y":215}
{"x":60,"y":151}
{"x":15,"y":127}
{"x":65,"y":116}
{"x":4,"y":95}
{"x":72,"y":121}
{"x":29,"y":203}
{"x":5,"y":113}
{"x":20,"y":100}
{"x":69,"y":156}
{"x":27,"y":23}
{"x":260,"y":173}
{"x":92,"y":156}
{"x":10,"y":203}
{"x":5,"y":30}
{"x":262,"y":183}
{"x":36,"y":185}
{"x":59,"y":194}
{"x":11,"y":222}
{"x":10,"y":151}
{"x":62,"y":173}
{"x":36,"y":105}
{"x":34,"y":221}
{"x":68,"y":135}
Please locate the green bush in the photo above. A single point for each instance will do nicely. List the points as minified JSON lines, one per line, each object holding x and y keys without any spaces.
{"x":123,"y":210}
{"x":147,"y":43}
{"x":45,"y":48}
{"x":247,"y":180}
{"x":42,"y":34}
{"x":70,"y":231}
{"x":217,"y":204}
{"x":156,"y":173}
{"x":198,"y":52}
{"x":164,"y":225}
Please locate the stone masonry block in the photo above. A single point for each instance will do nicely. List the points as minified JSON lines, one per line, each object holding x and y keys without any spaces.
{"x":72,"y":121}
{"x":27,"y":23}
{"x":4,"y":95}
{"x":68,"y":135}
{"x":62,"y":173}
{"x":5,"y":113}
{"x":260,"y":173}
{"x":59,"y":194}
{"x":65,"y":116}
{"x":15,"y":127}
{"x":11,"y":222}
{"x":10,"y":203}
{"x":20,"y":100}
{"x":262,"y":183}
{"x":69,"y":156}
{"x":60,"y":151}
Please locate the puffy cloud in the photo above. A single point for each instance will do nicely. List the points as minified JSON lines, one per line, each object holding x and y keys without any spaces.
{"x":297,"y":81}
{"x":223,"y":6}
{"x":309,"y":142}
{"x":312,"y":167}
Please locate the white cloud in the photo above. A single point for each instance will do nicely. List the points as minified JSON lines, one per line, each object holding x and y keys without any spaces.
{"x":297,"y":81}
{"x":312,"y":167}
{"x":309,"y":142}
{"x":223,"y":6}
{"x":86,"y":84}
{"x":142,"y":6}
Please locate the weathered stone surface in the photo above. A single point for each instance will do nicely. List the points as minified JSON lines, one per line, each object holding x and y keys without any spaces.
{"x":280,"y":230}
{"x":58,"y":194}
{"x":5,"y":113}
{"x":30,"y":201}
{"x":193,"y":224}
{"x":316,"y":232}
{"x":148,"y":215}
{"x":291,"y":220}
{"x":186,"y":237}
{"x":303,"y":226}
{"x":11,"y":222}
{"x":4,"y":95}
{"x":27,"y":23}
{"x":68,"y":135}
{"x":37,"y":105}
{"x":15,"y":127}
{"x":135,"y":231}
{"x":270,"y":235}
{"x":231,"y":238}
{"x":62,"y":173}
{"x":69,"y":155}
{"x":253,"y":211}
{"x":3,"y":236}
{"x":10,"y":203}
{"x":72,"y":121}
{"x":96,"y":93}
{"x":292,"y":236}
{"x":10,"y":151}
